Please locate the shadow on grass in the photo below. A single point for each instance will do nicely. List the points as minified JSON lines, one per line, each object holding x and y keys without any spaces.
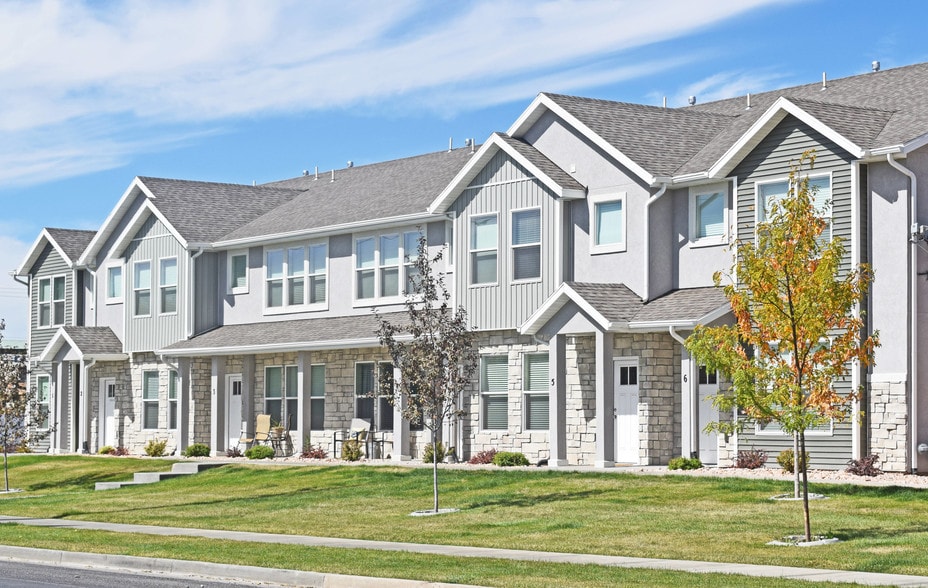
{"x":875,"y":533}
{"x":524,"y":501}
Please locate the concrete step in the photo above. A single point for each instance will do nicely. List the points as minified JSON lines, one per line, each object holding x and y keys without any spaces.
{"x":177,"y":470}
{"x":195,"y":467}
{"x":152,"y":477}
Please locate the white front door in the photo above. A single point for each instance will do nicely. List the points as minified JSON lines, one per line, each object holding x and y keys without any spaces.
{"x":108,"y":411}
{"x":708,"y":442}
{"x":626,"y":411}
{"x":234,"y":408}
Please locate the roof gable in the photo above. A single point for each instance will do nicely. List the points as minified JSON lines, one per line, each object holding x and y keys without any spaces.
{"x":68,"y":243}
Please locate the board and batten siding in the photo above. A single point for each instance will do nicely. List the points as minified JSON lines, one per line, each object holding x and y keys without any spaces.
{"x":48,"y":265}
{"x":770,"y":161}
{"x":209,"y":290}
{"x":502,"y":187}
{"x":154,"y":242}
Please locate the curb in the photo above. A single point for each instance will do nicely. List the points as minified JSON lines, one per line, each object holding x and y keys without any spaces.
{"x":222,"y":572}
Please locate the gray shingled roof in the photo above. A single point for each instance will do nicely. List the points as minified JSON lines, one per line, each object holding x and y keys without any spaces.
{"x":369,"y":192}
{"x":614,"y":301}
{"x":301,"y":332}
{"x":202,"y":212}
{"x":548,"y":167}
{"x":94,"y":340}
{"x":659,"y":140}
{"x":72,"y":242}
{"x":685,"y":305}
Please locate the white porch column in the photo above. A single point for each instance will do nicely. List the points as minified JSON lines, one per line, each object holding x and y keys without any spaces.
{"x":217,"y":429}
{"x":83,"y":395}
{"x":185,"y":403}
{"x":304,"y":385}
{"x":557,"y":401}
{"x":60,"y":383}
{"x":605,"y":400}
{"x":248,"y":394}
{"x":689,"y":418}
{"x":400,"y":425}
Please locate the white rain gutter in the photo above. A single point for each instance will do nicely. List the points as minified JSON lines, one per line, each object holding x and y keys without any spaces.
{"x":913,"y":320}
{"x":189,"y":303}
{"x":647,"y":240}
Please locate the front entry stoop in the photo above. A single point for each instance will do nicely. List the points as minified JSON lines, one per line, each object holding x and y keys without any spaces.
{"x":177,"y":470}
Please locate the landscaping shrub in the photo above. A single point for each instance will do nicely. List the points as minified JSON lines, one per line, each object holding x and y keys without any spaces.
{"x":313,"y":452}
{"x":260,"y":452}
{"x":234,"y":452}
{"x":865,"y":466}
{"x":684,"y":463}
{"x":351,"y":450}
{"x":785,"y":459}
{"x":121,"y":451}
{"x":483,"y":457}
{"x":428,"y":454}
{"x":197,"y":450}
{"x":106,"y":450}
{"x":155,"y":447}
{"x":509,"y":458}
{"x":751,"y":459}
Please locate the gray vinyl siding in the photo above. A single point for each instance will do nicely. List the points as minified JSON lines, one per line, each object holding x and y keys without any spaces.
{"x":771,"y":160}
{"x":501,"y":187}
{"x":154,"y":242}
{"x":48,"y":265}
{"x":208,"y":290}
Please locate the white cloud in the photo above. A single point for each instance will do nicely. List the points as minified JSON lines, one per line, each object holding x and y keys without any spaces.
{"x":726,"y":85}
{"x":14,"y":307}
{"x":70,"y":67}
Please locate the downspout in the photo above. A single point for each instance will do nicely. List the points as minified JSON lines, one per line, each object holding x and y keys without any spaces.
{"x":647,"y":240}
{"x":694,"y":423}
{"x":913,"y":302}
{"x":188,"y":305}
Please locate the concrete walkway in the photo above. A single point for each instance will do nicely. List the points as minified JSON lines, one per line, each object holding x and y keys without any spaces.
{"x":808,"y":574}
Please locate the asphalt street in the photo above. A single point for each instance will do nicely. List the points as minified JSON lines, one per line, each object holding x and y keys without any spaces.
{"x":30,"y":575}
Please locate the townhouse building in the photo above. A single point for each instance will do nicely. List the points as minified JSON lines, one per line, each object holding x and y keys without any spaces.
{"x":581,"y":241}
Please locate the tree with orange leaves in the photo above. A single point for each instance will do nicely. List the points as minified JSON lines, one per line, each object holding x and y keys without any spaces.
{"x":797,"y":331}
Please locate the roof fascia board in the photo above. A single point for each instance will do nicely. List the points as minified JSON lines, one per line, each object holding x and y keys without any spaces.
{"x":138,"y":219}
{"x":533,"y":113}
{"x":763,"y":125}
{"x":277,"y":347}
{"x":556,"y":302}
{"x":54,"y":345}
{"x":112,"y":220}
{"x":329,"y":230}
{"x":682,"y":324}
{"x":916,"y":143}
{"x":36,"y":250}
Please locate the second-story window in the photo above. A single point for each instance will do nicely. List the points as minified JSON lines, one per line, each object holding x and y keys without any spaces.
{"x":317,"y":271}
{"x":296,"y":276}
{"x":167,"y":285}
{"x":365,"y":267}
{"x":769,"y":193}
{"x":275,"y":278}
{"x":238,"y":272}
{"x":389,"y":265}
{"x":141,"y":288}
{"x":411,"y":254}
{"x":484,"y":238}
{"x":296,"y":291}
{"x":708,"y":215}
{"x":114,"y":283}
{"x":526,"y":244}
{"x":52,"y":294}
{"x":609,"y":221}
{"x":382,"y":265}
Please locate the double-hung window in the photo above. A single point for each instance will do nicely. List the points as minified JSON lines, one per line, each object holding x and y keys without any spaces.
{"x":608,"y":223}
{"x":43,"y":397}
{"x":411,"y":254}
{"x":389,"y":265}
{"x":167,"y":285}
{"x":365,"y":268}
{"x":769,"y":193}
{"x":385,"y":265}
{"x":296,"y":276}
{"x":173,"y":384}
{"x":296,"y":280}
{"x":317,"y":398}
{"x":114,"y":284}
{"x":708,"y":208}
{"x":773,"y":427}
{"x":150,"y":400}
{"x":318,"y":255}
{"x":52,"y":293}
{"x":371,"y":394}
{"x":281,"y":394}
{"x":535,"y":387}
{"x":238,"y":272}
{"x":494,"y":392}
{"x":526,"y":244}
{"x":484,"y":242}
{"x":274,"y":269}
{"x":141,"y":288}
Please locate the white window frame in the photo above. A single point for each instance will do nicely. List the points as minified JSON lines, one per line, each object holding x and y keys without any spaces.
{"x":108,"y":278}
{"x":285,"y":394}
{"x":526,"y":393}
{"x":409,"y":256}
{"x":608,"y":198}
{"x":449,"y":246}
{"x":53,"y":319}
{"x":705,"y":190}
{"x":173,"y":386}
{"x":471,"y":251}
{"x":162,"y":287}
{"x":303,"y":273}
{"x":316,"y":399}
{"x":513,"y":246}
{"x":147,"y":401}
{"x":485,"y":392}
{"x":402,"y":265}
{"x":137,"y":290}
{"x":762,"y":210}
{"x":46,"y":402}
{"x":230,"y":264}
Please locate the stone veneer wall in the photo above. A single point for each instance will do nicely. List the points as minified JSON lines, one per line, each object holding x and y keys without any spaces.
{"x":200,"y":408}
{"x":580,"y":417}
{"x":888,"y":419}
{"x":108,"y":369}
{"x":534,"y":444}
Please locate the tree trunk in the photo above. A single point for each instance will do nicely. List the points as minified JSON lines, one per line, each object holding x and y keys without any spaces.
{"x":435,"y":466}
{"x":796,"y":465}
{"x":805,"y":486}
{"x":6,"y":471}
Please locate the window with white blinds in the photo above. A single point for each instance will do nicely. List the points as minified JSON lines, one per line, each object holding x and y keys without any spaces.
{"x":150,"y":400}
{"x":483,"y":249}
{"x":535,"y":384}
{"x":296,"y":277}
{"x":494,"y":388}
{"x":820,"y":187}
{"x":526,"y":244}
{"x":708,"y":214}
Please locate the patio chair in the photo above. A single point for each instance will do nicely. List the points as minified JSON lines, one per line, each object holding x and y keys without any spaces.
{"x":360,"y":428}
{"x":263,"y":428}
{"x":244,"y":438}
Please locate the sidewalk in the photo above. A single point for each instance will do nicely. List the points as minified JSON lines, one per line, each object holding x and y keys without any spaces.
{"x":808,"y":574}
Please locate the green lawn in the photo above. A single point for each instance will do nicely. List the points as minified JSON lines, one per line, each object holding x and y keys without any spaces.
{"x":728,"y":520}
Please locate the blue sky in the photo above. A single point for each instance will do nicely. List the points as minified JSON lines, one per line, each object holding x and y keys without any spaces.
{"x":95,"y":93}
